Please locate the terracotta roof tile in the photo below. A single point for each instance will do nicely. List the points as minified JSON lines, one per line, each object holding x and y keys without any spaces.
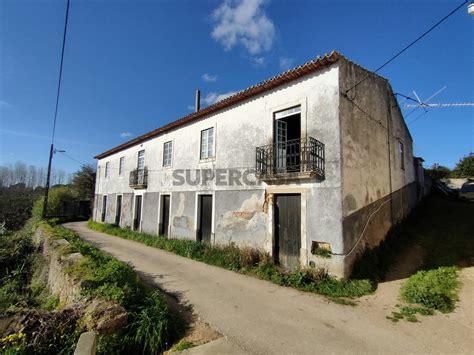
{"x":287,"y":76}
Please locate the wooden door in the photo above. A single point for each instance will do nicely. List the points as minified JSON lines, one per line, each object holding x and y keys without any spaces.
{"x":205,"y":218}
{"x":138,"y":212}
{"x":118,"y":210}
{"x":165,"y":215}
{"x":287,"y":221}
{"x":104,"y":208}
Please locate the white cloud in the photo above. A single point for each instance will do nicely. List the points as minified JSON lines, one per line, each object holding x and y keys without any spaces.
{"x":208,"y":77}
{"x":260,"y":60}
{"x":243,"y":22}
{"x":125,"y":134}
{"x":214,"y":97}
{"x":191,"y":107}
{"x":286,"y":63}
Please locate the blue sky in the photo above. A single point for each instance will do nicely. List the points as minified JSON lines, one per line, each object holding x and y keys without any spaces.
{"x":131,"y":66}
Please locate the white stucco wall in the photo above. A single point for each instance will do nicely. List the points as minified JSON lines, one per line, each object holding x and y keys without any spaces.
{"x":243,"y":214}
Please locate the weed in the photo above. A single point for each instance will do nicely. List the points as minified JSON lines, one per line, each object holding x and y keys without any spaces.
{"x":322,"y":252}
{"x":182,"y":345}
{"x":151,"y":326}
{"x":248,"y":261}
{"x":434,"y":289}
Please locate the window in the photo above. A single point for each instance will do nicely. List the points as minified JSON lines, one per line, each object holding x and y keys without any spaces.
{"x":121,"y":166}
{"x":167,"y":153}
{"x":207,"y":143}
{"x":107,"y":169}
{"x":401,"y":151}
{"x":141,"y":160}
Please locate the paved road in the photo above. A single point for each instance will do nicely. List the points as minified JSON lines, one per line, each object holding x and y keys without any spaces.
{"x":262,"y":318}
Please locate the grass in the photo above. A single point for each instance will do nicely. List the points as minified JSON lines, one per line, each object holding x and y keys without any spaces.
{"x":181,"y":346}
{"x":248,"y":261}
{"x":434,"y":289}
{"x":152,"y":326}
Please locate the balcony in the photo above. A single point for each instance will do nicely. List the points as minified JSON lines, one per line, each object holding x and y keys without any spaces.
{"x":297,"y":158}
{"x":139,"y":178}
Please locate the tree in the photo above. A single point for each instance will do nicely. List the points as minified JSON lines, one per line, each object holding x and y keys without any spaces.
{"x":465,"y":167}
{"x":21,"y":172}
{"x":58,"y":195}
{"x":83,"y":182}
{"x":438,"y":171}
{"x":32,"y":177}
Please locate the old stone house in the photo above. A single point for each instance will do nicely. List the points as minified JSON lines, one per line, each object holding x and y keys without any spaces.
{"x":301,"y":162}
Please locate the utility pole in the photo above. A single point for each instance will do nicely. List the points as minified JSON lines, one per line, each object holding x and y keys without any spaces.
{"x":48,"y":177}
{"x":51,"y":150}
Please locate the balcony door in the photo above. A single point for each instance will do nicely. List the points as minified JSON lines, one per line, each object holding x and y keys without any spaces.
{"x":281,"y":137}
{"x":287,"y":140}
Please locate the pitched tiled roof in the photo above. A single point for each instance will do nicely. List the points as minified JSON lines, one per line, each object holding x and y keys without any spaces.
{"x":290,"y":75}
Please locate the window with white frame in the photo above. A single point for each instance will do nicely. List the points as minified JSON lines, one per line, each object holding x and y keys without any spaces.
{"x":207,"y":143}
{"x":401,"y":151}
{"x":121,"y":166}
{"x":107,"y":167}
{"x":167,"y":153}
{"x":141,"y":160}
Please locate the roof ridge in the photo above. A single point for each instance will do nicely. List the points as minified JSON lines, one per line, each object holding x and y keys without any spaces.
{"x":277,"y":80}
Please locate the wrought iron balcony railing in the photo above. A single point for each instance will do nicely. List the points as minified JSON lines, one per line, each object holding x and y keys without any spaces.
{"x":298,"y":157}
{"x":139,"y":178}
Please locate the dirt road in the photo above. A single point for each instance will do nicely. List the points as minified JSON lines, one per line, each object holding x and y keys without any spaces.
{"x":262,"y":318}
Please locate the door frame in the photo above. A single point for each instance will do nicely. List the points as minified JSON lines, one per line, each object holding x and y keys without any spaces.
{"x":141,"y":210}
{"x":271,"y":111}
{"x":160,"y":212}
{"x":197,"y":214}
{"x":271,"y":218}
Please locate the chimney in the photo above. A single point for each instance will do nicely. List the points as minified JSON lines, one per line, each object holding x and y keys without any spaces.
{"x":198,"y":100}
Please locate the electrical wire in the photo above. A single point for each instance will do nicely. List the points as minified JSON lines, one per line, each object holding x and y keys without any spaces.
{"x":73,"y":159}
{"x":409,"y":45}
{"x":60,"y":73}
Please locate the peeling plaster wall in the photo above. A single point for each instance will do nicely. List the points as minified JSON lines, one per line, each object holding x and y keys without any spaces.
{"x":183,"y":215}
{"x":240,"y":219}
{"x":150,"y":212}
{"x":242,"y":213}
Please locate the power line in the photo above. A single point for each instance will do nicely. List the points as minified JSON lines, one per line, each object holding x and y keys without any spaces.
{"x":73,"y":159}
{"x":60,"y":72}
{"x":51,"y":149}
{"x":409,"y":45}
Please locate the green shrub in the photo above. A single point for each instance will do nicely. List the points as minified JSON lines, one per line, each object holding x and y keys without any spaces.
{"x":57,"y":196}
{"x":151,"y":328}
{"x":434,"y":289}
{"x":247,"y":260}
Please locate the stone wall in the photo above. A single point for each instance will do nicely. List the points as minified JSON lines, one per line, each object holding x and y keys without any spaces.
{"x":105,"y":317}
{"x":61,"y":284}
